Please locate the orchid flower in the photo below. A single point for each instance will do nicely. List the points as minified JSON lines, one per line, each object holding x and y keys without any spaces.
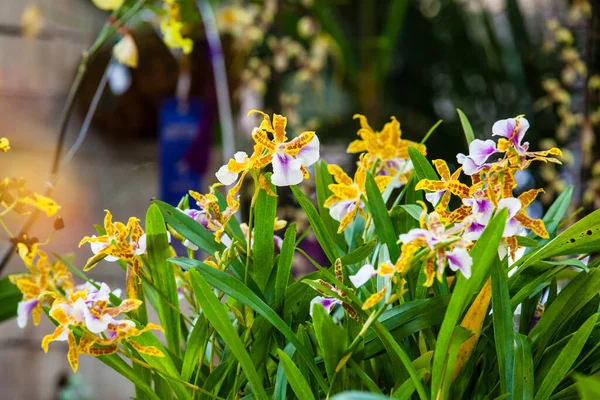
{"x":367,"y":271}
{"x":386,"y":148}
{"x":90,"y":311}
{"x":479,"y":152}
{"x":210,"y":216}
{"x":346,"y":202}
{"x":445,"y":245}
{"x":39,"y":284}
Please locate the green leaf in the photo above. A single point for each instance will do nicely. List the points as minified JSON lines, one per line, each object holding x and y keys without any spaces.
{"x":318,"y":227}
{"x":466,"y":125}
{"x":406,"y":390}
{"x":557,"y":211}
{"x":284,"y":266}
{"x":201,"y":237}
{"x":360,"y":253}
{"x":565,"y":360}
{"x":322,"y":181}
{"x":402,"y":218}
{"x":571,"y":299}
{"x":503,"y":326}
{"x":523,"y":383}
{"x":161,"y":387}
{"x":588,"y":386}
{"x":235,"y":288}
{"x":464,"y":290}
{"x":263,"y":246}
{"x":423,"y":168}
{"x":281,"y":381}
{"x":195,"y":346}
{"x":524,"y":241}
{"x":460,"y":336}
{"x":118,"y":364}
{"x":297,"y":382}
{"x":10,"y":297}
{"x":381,"y":218}
{"x":163,"y":277}
{"x":332,"y":339}
{"x":431,"y":130}
{"x":165,"y":365}
{"x":581,"y":237}
{"x":217,"y":315}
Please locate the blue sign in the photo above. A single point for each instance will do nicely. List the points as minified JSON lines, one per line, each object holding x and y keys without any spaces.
{"x":184,"y":147}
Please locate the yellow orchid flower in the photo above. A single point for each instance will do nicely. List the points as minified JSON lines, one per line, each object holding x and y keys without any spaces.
{"x":215,"y":220}
{"x":88,"y":309}
{"x":346,"y":201}
{"x":42,"y":203}
{"x":289,"y":158}
{"x":387,"y":148}
{"x":121,"y":242}
{"x":44,"y":281}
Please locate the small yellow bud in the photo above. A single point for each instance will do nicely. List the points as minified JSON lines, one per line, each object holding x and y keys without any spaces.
{"x":126,"y":51}
{"x":108,"y":5}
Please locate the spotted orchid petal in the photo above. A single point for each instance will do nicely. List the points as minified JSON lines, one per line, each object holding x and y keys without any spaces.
{"x":286,"y":170}
{"x":480,"y":150}
{"x":95,"y":324}
{"x":363,"y":275}
{"x":309,"y":154}
{"x":327,"y":302}
{"x":97,"y":247}
{"x":460,"y":259}
{"x":24,"y":310}
{"x":340,"y":209}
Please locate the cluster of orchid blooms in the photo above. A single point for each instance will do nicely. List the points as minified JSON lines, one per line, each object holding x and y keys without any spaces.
{"x":86,"y":314}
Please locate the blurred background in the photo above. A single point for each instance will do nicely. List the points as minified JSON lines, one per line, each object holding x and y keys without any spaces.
{"x":162,"y":128}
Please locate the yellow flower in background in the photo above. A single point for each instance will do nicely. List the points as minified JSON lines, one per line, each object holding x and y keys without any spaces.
{"x":108,"y":4}
{"x":42,"y":203}
{"x":126,"y":51}
{"x":4,"y":145}
{"x":387,"y":149}
{"x":32,"y":20}
{"x":171,"y":27}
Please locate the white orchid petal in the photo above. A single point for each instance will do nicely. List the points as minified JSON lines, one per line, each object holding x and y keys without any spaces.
{"x":341,"y":208}
{"x":286,"y":170}
{"x":460,"y":259}
{"x":362,"y":276}
{"x":225,"y":176}
{"x":480,"y":150}
{"x":327,"y":302}
{"x":310,"y":153}
{"x":24,"y":310}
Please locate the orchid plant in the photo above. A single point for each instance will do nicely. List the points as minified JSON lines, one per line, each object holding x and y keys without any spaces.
{"x":410,"y":283}
{"x":436,"y":284}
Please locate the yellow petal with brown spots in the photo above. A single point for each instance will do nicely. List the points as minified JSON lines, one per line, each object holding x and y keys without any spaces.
{"x":374,"y":299}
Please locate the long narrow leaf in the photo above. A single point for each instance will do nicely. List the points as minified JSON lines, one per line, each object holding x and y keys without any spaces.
{"x":163,"y":277}
{"x":297,"y":382}
{"x":381,"y":218}
{"x":216,"y":314}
